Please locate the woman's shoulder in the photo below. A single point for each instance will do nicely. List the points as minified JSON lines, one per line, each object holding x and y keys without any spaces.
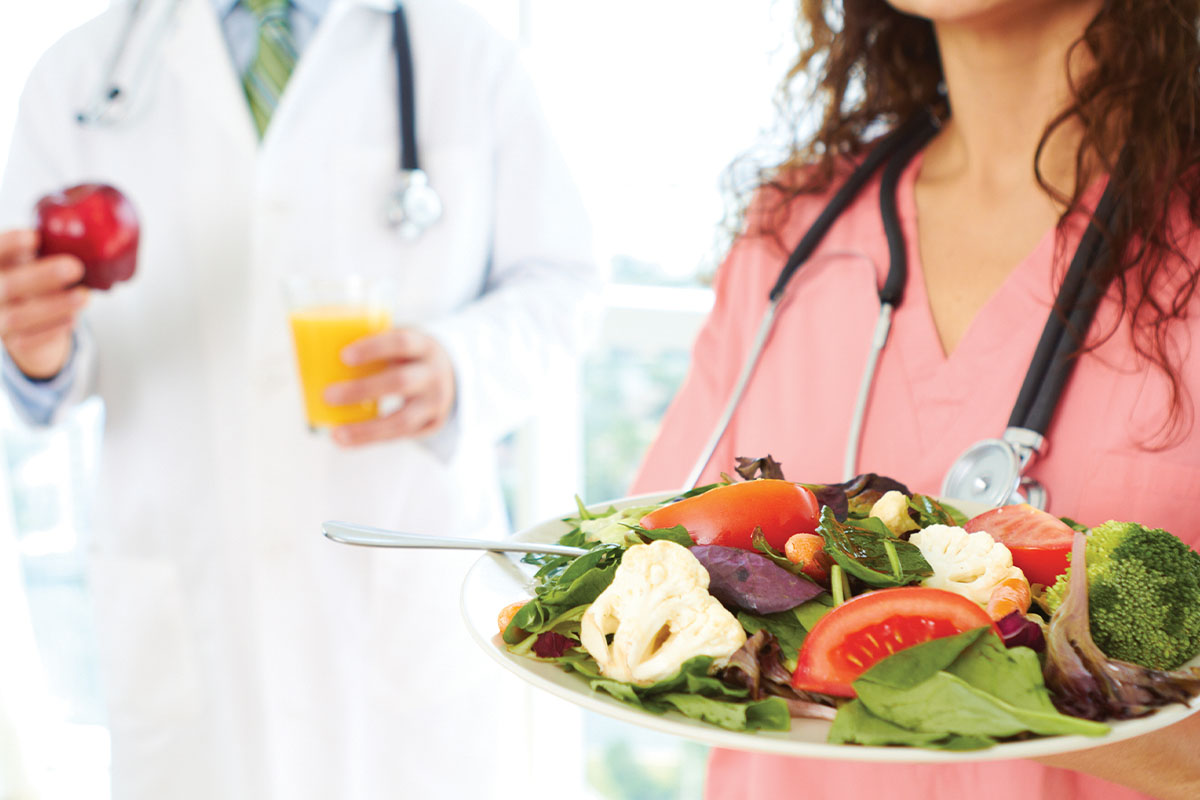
{"x":788,"y":201}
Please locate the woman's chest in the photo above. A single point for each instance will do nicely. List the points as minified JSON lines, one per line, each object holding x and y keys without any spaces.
{"x":924,"y":409}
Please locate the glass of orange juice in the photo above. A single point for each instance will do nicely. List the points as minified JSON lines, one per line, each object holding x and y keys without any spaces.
{"x":326,"y":313}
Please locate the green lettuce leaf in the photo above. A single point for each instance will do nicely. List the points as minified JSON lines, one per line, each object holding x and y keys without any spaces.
{"x":789,"y":627}
{"x":958,"y":692}
{"x":694,"y":693}
{"x":861,"y":547}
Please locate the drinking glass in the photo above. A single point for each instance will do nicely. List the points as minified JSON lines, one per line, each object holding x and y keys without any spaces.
{"x":326,"y":313}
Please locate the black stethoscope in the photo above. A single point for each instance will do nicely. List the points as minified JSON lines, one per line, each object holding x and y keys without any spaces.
{"x":411,"y":209}
{"x":991,"y":471}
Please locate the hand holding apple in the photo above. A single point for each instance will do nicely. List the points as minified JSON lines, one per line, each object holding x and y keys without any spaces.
{"x":40,"y":302}
{"x":95,"y":223}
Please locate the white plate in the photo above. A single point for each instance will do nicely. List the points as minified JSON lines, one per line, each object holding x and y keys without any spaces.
{"x":496,"y":580}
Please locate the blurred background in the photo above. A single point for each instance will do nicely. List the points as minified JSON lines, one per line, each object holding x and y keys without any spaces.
{"x":652,"y":100}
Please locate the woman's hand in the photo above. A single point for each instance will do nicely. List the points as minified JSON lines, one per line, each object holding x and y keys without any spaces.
{"x":39,"y":304}
{"x":1164,"y":764}
{"x":418,"y":372}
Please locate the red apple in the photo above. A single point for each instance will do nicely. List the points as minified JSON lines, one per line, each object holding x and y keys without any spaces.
{"x":97,"y":224}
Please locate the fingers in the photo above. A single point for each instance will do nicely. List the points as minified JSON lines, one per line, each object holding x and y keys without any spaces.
{"x":406,"y":380}
{"x":17,"y":246}
{"x":41,"y":277}
{"x":47,"y":339}
{"x":417,"y":417}
{"x":397,"y":344}
{"x":40,"y":302}
{"x":420,"y":373}
{"x":37,"y":315}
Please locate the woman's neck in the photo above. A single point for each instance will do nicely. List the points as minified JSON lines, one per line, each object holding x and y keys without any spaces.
{"x":1006,"y":78}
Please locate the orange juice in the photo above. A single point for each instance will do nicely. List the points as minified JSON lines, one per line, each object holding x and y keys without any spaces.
{"x":320,"y":333}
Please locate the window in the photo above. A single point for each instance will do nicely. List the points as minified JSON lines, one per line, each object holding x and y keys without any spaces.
{"x":651,"y":100}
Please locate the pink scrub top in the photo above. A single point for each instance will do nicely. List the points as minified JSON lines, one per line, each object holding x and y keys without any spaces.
{"x":925,"y":409}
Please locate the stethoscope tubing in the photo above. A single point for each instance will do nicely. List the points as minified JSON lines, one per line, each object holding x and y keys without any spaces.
{"x":1054,"y":357}
{"x":849,"y":190}
{"x":112,"y":104}
{"x":1076,"y":304}
{"x":405,"y":91}
{"x":739,"y":388}
{"x":897,"y":147}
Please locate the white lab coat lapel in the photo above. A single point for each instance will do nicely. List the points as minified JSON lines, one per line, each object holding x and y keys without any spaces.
{"x":197,"y":53}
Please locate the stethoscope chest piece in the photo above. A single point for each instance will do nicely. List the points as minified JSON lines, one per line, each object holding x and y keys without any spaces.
{"x":414,"y":207}
{"x":990,"y":471}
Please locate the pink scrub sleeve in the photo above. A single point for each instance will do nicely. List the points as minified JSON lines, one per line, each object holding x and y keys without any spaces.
{"x":926,"y":407}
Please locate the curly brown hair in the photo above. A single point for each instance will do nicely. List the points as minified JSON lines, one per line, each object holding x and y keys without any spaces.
{"x":867,"y":67}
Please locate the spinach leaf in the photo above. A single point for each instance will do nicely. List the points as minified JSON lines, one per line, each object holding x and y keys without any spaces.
{"x":696,"y":694}
{"x":578,"y":582}
{"x":855,"y":724}
{"x":566,"y":623}
{"x":866,"y":549}
{"x":958,"y":692}
{"x":930,"y":512}
{"x":789,"y":627}
{"x":768,"y":714}
{"x":808,"y":613}
{"x":1013,"y":675}
{"x":786,"y":628}
{"x":907,"y":668}
{"x":677,"y":534}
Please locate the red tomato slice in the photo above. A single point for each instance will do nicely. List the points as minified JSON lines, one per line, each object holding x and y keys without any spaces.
{"x":865,"y":629}
{"x":1039,"y":541}
{"x":729,"y":514}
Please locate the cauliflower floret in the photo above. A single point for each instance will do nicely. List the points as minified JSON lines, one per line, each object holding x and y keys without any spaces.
{"x":970,"y":564}
{"x":892,"y":509}
{"x":660,"y":614}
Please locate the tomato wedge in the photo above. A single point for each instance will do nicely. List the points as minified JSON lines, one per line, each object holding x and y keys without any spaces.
{"x":729,"y":514}
{"x":864,"y":630}
{"x":1039,"y":541}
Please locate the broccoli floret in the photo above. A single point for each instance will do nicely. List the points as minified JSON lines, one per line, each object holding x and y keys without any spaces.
{"x":1144,"y":595}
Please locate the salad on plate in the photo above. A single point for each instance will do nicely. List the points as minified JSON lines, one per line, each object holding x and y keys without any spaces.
{"x":894,"y":616}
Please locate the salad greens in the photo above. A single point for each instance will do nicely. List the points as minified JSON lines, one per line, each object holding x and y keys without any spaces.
{"x":960,"y":692}
{"x":788,"y":627}
{"x":867,"y":550}
{"x":693,"y":692}
{"x":565,"y":585}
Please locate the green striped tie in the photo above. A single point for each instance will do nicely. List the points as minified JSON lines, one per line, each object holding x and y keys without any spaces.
{"x":273,"y":61}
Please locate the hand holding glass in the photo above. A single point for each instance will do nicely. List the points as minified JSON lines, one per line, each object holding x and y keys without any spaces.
{"x":327,"y":314}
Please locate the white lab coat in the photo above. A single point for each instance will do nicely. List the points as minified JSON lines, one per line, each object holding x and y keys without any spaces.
{"x":244,"y":655}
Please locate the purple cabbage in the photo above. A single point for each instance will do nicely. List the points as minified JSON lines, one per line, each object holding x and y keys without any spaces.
{"x":552,"y":645}
{"x":751,"y":581}
{"x":1017,"y":630}
{"x":1084,"y":682}
{"x":758,"y":668}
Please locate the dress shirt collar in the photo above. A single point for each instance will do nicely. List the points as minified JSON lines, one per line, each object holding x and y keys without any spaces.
{"x":313,"y":8}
